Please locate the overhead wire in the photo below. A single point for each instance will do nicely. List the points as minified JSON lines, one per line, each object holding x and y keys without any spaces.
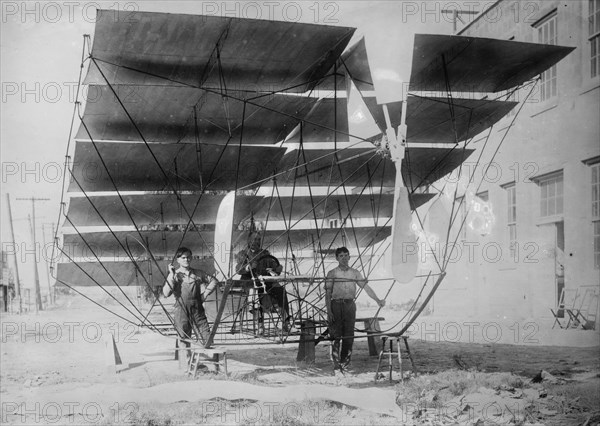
{"x":160,"y":167}
{"x":135,"y":264}
{"x":67,"y":168}
{"x":462,"y":224}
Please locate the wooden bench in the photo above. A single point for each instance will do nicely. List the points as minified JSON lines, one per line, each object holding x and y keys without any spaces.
{"x":308,"y":340}
{"x":371,"y":326}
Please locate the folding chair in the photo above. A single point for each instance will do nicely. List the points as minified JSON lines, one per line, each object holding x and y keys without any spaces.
{"x":585,"y":314}
{"x":568,"y":297}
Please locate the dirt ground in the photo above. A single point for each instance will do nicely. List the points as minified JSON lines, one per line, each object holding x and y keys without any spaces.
{"x":56,"y":369}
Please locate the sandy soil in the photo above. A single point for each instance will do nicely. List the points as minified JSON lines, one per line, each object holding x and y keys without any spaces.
{"x":54,"y":370}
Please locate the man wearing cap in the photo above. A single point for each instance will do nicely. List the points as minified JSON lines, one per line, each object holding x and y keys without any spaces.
{"x":190,"y":287}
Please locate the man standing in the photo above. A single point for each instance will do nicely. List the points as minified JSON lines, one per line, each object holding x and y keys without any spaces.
{"x":340,"y":292}
{"x":191,"y":287}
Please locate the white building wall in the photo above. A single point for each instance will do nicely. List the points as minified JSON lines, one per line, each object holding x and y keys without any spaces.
{"x":557,"y":134}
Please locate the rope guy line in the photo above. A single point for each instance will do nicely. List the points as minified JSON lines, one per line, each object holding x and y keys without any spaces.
{"x":67,"y":157}
{"x":165,"y":176}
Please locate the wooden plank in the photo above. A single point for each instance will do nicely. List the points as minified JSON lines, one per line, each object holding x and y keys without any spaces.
{"x":213,"y":331}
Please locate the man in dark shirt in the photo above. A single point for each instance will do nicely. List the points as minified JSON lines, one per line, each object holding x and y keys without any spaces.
{"x":255,"y":261}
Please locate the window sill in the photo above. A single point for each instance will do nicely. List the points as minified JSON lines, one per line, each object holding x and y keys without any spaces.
{"x":507,"y":267}
{"x":549,"y":220}
{"x":591,"y":84}
{"x":503,"y":129}
{"x":545,"y":107}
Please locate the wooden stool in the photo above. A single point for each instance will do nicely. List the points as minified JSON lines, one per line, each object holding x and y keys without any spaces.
{"x":391,"y":353}
{"x":199,"y":356}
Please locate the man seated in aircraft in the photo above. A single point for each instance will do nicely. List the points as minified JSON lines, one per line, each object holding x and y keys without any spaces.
{"x":253,"y":262}
{"x":340,"y":292}
{"x":190,"y":287}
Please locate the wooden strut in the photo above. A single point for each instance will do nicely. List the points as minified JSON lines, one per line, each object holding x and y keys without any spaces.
{"x":213,"y":330}
{"x":229,"y":281}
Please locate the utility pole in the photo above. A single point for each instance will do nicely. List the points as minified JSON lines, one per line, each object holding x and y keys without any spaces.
{"x":38,"y":296}
{"x":48,"y":263}
{"x":456,"y":16}
{"x":12,"y":238}
{"x":52,"y":260}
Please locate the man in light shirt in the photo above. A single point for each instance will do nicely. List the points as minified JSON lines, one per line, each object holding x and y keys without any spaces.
{"x":340,"y":293}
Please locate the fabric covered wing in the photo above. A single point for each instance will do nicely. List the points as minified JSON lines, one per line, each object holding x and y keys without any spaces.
{"x":475,"y":64}
{"x":174,"y":49}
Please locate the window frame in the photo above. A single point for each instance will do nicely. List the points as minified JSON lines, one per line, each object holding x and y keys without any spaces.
{"x":511,"y":216}
{"x":594,"y":37}
{"x":595,"y":212}
{"x":549,"y":78}
{"x":548,"y":193}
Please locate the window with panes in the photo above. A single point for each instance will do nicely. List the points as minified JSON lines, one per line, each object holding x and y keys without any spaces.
{"x":548,"y":34}
{"x":551,"y":195}
{"x":594,"y":37}
{"x":511,"y":217}
{"x":596,"y":212}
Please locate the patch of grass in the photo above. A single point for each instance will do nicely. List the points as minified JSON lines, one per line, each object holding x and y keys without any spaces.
{"x":579,"y":395}
{"x":565,"y":403}
{"x":147,"y":418}
{"x":457,"y":388}
{"x":432,"y":389}
{"x":251,"y":377}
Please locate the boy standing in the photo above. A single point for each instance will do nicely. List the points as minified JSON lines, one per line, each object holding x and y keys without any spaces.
{"x":190,"y":287}
{"x":340,"y":292}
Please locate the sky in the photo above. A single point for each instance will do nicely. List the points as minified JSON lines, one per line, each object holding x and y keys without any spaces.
{"x":40,"y":57}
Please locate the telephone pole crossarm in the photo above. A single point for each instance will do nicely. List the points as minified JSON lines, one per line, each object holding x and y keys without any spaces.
{"x":456,"y":15}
